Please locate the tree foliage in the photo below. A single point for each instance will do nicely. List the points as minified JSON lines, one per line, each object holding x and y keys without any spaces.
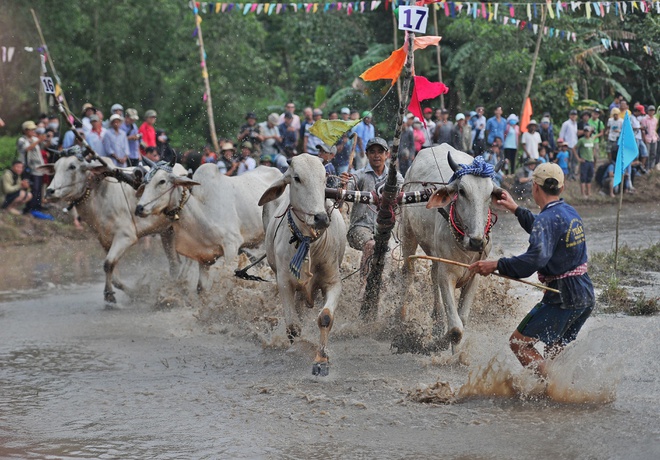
{"x":145,"y":56}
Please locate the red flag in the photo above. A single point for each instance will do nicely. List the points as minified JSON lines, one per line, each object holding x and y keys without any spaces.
{"x":422,"y":91}
{"x":526,"y":116}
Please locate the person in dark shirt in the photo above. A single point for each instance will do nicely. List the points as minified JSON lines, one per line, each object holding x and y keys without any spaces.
{"x":558,"y":252}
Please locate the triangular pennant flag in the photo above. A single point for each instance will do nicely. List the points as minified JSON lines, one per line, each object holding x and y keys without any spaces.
{"x":628,"y":150}
{"x":526,"y":115}
{"x":422,"y":91}
{"x":389,"y":69}
{"x":425,"y":41}
{"x":330,"y":131}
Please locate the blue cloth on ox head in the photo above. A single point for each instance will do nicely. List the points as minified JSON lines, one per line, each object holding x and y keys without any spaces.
{"x":164,"y":165}
{"x":479,"y":167}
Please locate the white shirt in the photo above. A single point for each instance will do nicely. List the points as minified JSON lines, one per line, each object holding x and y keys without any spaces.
{"x":531,"y":142}
{"x":248,"y":164}
{"x":569,"y":132}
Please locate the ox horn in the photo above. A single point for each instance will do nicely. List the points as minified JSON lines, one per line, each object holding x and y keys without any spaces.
{"x":173,"y":161}
{"x":499,"y":165}
{"x":452,"y":164}
{"x":148,"y":162}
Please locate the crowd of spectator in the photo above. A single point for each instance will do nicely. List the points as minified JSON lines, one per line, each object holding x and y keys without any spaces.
{"x":584,"y":145}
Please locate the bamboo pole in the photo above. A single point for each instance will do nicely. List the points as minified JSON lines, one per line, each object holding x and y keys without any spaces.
{"x":207,"y":85}
{"x":528,"y":88}
{"x":437,"y":51}
{"x":618,"y":213}
{"x":385,"y":219}
{"x":396,"y":47}
{"x":50,"y":59}
{"x":461,"y":264}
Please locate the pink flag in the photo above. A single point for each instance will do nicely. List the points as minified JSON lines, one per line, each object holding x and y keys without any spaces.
{"x":422,"y":91}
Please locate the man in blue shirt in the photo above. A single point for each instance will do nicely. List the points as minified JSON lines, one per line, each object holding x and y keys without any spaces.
{"x":558,"y":251}
{"x":495,"y":126}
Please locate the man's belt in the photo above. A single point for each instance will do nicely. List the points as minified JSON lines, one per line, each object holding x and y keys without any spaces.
{"x":577,"y":271}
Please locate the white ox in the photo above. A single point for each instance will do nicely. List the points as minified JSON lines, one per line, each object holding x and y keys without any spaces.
{"x":107,"y":205}
{"x":465,"y":201}
{"x":213,"y":215}
{"x":325,"y":231}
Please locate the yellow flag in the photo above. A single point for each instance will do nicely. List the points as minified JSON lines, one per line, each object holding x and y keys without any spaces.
{"x":330,"y":131}
{"x":198,"y":19}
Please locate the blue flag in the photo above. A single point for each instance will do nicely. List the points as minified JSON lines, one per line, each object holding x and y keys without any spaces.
{"x":628,"y":150}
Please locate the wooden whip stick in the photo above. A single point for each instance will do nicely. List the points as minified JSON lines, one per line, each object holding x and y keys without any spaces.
{"x":352,"y":155}
{"x":461,"y":264}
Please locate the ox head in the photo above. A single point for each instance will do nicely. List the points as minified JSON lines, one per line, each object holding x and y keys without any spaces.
{"x":472,"y":195}
{"x":161,"y":191}
{"x":306,"y":180}
{"x":72,"y":175}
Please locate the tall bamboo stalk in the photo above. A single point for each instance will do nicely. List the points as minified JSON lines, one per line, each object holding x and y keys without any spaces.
{"x":207,"y":85}
{"x":437,"y":51}
{"x":385,"y":219}
{"x":528,"y":88}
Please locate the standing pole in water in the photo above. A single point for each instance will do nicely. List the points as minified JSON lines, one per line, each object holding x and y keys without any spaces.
{"x":385,"y":219}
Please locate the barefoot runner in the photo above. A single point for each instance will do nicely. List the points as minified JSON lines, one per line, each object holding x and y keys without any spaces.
{"x":558,"y":251}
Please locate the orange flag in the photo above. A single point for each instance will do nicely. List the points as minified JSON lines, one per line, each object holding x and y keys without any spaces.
{"x":427,"y":40}
{"x":391,"y":68}
{"x":526,"y":116}
{"x":388,"y":69}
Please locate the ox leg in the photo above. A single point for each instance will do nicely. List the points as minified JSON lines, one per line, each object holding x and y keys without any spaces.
{"x":325,"y":320}
{"x":117,"y":249}
{"x":468,"y":293}
{"x":408,"y":248}
{"x":446,"y":285}
{"x":167,"y":239}
{"x":437,"y":315}
{"x":291,"y":318}
{"x":203,"y":280}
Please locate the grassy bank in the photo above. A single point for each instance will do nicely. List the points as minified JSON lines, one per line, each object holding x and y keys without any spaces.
{"x":634,"y":269}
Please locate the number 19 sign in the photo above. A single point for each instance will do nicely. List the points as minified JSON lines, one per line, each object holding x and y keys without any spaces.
{"x":413,"y":18}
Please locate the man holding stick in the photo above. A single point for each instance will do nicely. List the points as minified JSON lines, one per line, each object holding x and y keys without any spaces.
{"x":558,"y":251}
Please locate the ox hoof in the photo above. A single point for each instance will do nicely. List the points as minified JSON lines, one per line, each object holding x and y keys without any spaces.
{"x":321,"y":369}
{"x":455,"y":336}
{"x":292,"y":332}
{"x":109,"y":297}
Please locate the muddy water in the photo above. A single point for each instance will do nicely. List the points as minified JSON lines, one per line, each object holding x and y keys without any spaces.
{"x":212,"y":379}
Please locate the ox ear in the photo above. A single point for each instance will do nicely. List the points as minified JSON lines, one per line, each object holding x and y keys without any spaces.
{"x":48,"y":168}
{"x":440,"y":198}
{"x":183,"y":181}
{"x":275,"y":190}
{"x":139,"y":191}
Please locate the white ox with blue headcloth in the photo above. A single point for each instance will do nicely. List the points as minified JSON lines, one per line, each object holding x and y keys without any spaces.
{"x":454,"y":225}
{"x":305,"y":243}
{"x":213,"y":215}
{"x":106,"y":205}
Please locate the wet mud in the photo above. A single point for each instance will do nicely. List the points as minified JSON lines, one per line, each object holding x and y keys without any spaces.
{"x":168,"y":374}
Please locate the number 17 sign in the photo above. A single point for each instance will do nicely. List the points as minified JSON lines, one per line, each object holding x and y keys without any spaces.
{"x":413,"y":18}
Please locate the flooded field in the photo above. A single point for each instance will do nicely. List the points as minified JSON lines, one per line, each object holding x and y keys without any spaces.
{"x":167,"y":375}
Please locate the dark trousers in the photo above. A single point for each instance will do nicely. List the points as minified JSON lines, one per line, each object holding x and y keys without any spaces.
{"x":36,"y":183}
{"x":133,"y":161}
{"x":510,"y":154}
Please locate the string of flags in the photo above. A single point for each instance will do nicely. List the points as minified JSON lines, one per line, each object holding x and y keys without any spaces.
{"x":484,"y":9}
{"x":8,"y":53}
